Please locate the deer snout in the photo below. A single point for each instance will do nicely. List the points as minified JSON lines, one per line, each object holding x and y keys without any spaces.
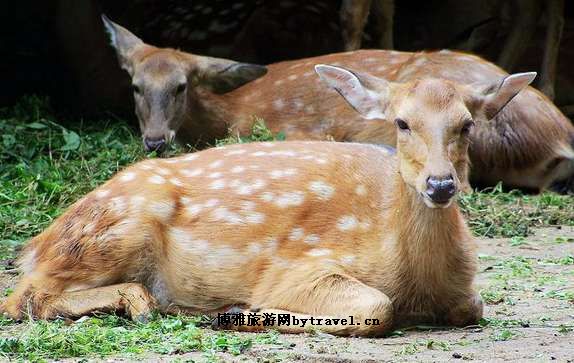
{"x":154,"y":144}
{"x":440,"y":189}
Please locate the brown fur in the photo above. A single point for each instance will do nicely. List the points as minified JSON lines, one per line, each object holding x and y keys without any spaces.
{"x":316,"y":229}
{"x":515,"y":148}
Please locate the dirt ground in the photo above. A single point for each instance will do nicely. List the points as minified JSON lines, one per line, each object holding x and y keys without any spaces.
{"x":528,"y":285}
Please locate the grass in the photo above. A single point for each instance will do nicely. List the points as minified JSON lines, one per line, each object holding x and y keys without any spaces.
{"x":109,"y":334}
{"x":47,"y":163}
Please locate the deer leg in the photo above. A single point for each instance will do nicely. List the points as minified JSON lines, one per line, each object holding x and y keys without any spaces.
{"x":555,"y":19}
{"x":353,"y":15}
{"x":330,"y":296}
{"x":466,"y":313}
{"x":133,"y":298}
{"x":384,"y":14}
{"x":520,"y":34}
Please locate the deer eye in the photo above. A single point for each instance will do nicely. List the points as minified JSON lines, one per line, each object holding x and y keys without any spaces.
{"x":180,"y":88}
{"x":466,"y":127}
{"x":136,"y":89}
{"x":402,"y":125}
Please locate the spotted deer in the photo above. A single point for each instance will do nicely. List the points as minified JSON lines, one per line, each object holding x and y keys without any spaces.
{"x":309,"y":228}
{"x":527,"y":145}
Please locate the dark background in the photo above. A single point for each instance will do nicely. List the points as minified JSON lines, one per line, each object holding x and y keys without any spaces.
{"x":58,"y":48}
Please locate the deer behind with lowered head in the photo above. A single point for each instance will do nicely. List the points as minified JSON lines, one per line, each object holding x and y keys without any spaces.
{"x":529,"y":144}
{"x":313,"y":229}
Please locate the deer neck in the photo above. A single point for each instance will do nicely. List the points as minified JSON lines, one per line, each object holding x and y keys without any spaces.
{"x":423,"y":233}
{"x":209,"y":116}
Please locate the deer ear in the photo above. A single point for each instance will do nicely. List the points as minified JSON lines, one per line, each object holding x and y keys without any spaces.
{"x":124,"y":42}
{"x":492,"y":98}
{"x":222,"y":75}
{"x":366,"y":94}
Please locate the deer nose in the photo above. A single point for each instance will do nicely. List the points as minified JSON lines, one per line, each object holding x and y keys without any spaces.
{"x":440,"y":189}
{"x":154,"y":144}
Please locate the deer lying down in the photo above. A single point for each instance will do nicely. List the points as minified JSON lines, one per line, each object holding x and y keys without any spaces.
{"x":320,"y":229}
{"x":527,"y":145}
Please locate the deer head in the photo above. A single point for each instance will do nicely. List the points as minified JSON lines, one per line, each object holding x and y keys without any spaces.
{"x":164,"y":82}
{"x":433,"y":118}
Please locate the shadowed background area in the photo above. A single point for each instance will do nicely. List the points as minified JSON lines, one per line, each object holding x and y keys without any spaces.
{"x":59,"y":48}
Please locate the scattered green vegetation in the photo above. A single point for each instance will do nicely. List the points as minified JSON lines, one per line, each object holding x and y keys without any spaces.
{"x":46,"y":164}
{"x":494,"y":213}
{"x":109,"y":334}
{"x":259,"y":132}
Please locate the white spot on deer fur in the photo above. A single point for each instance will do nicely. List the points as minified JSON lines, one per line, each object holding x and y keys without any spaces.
{"x":118,"y":204}
{"x":254,"y":167}
{"x":247,"y":205}
{"x":276,"y":174}
{"x":191,"y":173}
{"x":292,"y":77}
{"x":419,"y":62}
{"x":102,"y":193}
{"x":214,"y":175}
{"x":288,"y":153}
{"x":235,"y":183}
{"x":296,"y":234}
{"x":184,"y":239}
{"x":298,"y":104}
{"x":307,"y":74}
{"x":176,"y":182}
{"x":361,"y":190}
{"x":323,"y":190}
{"x":190,"y":157}
{"x":89,"y":228}
{"x":255,"y":217}
{"x":254,"y":248}
{"x":162,"y":171}
{"x":238,"y":169}
{"x":235,"y":152}
{"x":320,"y":161}
{"x":311,"y":239}
{"x":289,"y":199}
{"x":259,"y":153}
{"x":146,"y":166}
{"x":217,"y":184}
{"x":126,"y":177}
{"x":216,"y":164}
{"x":348,"y":259}
{"x":156,"y":179}
{"x":278,"y":82}
{"x":137,"y":201}
{"x":309,"y":109}
{"x":211,"y":203}
{"x":364,"y":225}
{"x":278,"y":104}
{"x":162,"y":209}
{"x":225,"y":215}
{"x":317,"y":252}
{"x":381,"y":69}
{"x":347,"y":223}
{"x":370,"y":60}
{"x":267,"y":196}
{"x":246,"y":189}
{"x":194,"y":209}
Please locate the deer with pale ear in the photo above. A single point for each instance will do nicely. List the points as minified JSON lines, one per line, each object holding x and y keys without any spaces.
{"x":528,"y":144}
{"x":337,"y":230}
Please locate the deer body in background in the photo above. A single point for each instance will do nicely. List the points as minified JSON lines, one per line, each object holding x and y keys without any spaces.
{"x":340,"y":229}
{"x":528,"y":145}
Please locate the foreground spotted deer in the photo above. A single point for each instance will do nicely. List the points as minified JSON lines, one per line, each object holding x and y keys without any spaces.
{"x":527,"y":145}
{"x":312,"y":228}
